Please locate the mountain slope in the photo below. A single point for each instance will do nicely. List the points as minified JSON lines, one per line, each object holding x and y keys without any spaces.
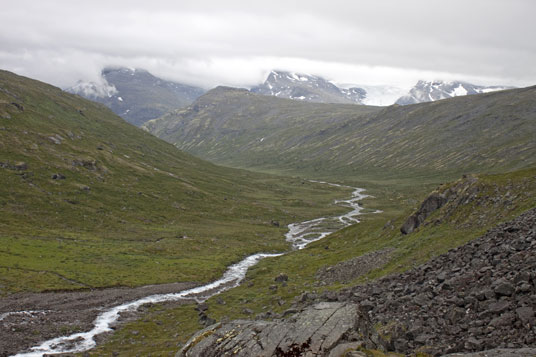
{"x":486,"y":132}
{"x":88,"y":200}
{"x":308,"y":88}
{"x":425,"y":91}
{"x":137,"y":95}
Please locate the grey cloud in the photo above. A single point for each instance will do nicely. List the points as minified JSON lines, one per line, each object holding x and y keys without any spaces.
{"x":236,"y":42}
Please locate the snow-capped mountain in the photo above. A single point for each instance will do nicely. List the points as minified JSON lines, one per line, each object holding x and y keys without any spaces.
{"x":307,"y":87}
{"x":137,"y":95}
{"x":426,"y":91}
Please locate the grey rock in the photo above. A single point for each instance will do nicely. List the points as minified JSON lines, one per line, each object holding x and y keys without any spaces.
{"x":20,"y":166}
{"x":429,"y":205}
{"x":343,"y":348}
{"x":201,"y":307}
{"x":504,"y":288}
{"x":505,"y":319}
{"x":274,"y":223}
{"x":56,"y":139}
{"x":317,"y":330}
{"x":411,"y":223}
{"x":472,"y":343}
{"x":281,"y":278}
{"x":498,"y":307}
{"x":525,"y":314}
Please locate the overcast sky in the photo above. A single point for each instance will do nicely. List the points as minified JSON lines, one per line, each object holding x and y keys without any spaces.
{"x":237,"y":43}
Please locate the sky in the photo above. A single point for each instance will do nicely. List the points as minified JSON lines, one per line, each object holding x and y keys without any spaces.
{"x":236,"y":43}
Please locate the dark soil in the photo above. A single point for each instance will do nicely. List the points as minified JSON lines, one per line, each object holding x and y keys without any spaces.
{"x":29,"y":318}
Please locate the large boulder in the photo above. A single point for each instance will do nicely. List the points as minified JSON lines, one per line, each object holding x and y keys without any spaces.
{"x":433,"y":202}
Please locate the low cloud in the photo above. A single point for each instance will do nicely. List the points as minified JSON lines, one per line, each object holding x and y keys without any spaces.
{"x":236,"y":43}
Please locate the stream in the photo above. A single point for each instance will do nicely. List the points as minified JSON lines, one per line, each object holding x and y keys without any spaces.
{"x":299,"y":235}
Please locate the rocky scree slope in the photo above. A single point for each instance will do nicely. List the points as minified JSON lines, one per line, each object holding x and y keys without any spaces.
{"x":136,"y":95}
{"x":485,"y":132}
{"x":479,"y":296}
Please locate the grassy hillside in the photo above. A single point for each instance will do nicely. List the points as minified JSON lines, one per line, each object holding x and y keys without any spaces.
{"x":491,"y":132}
{"x":88,"y":200}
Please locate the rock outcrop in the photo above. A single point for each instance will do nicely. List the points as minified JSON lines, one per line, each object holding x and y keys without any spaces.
{"x":315,"y":331}
{"x":461,"y":192}
{"x":430,"y":204}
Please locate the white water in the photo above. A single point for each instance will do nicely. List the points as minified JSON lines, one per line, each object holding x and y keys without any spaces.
{"x":300,"y":234}
{"x":303,"y":233}
{"x":27,"y":313}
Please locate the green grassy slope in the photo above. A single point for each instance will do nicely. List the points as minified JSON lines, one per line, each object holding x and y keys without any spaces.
{"x":491,"y":132}
{"x":131,"y":209}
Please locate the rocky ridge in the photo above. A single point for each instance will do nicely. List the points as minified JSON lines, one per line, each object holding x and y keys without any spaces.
{"x":480,"y":296}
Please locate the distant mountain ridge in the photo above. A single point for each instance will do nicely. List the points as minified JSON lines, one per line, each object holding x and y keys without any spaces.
{"x":430,"y":91}
{"x":309,"y":88}
{"x":243,"y":129}
{"x":136,"y":95}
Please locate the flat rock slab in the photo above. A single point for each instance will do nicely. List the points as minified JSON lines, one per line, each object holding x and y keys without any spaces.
{"x":313,"y":332}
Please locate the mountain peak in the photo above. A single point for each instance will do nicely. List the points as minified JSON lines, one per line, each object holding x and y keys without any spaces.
{"x":429,"y":91}
{"x":135,"y":94}
{"x":307,"y":87}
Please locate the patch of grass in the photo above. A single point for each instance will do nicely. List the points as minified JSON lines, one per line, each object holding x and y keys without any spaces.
{"x":161,"y":332}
